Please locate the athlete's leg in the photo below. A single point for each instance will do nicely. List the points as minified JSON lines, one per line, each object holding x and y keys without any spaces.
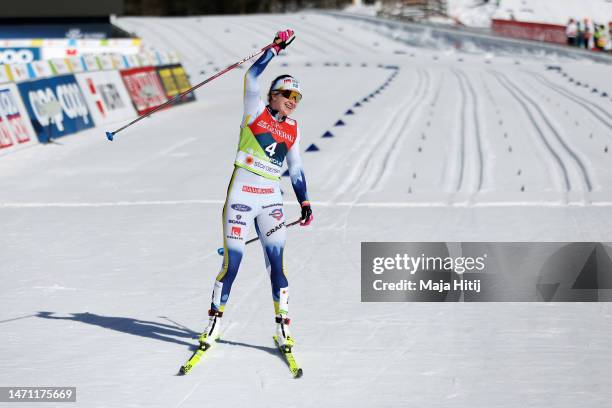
{"x":270,"y":224}
{"x":238,"y":214}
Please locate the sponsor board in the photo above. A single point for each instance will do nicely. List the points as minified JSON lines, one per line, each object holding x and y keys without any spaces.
{"x":106,"y":62}
{"x":19,"y":72}
{"x":4,"y":74}
{"x":15,"y":128}
{"x":41,"y":69}
{"x":106,"y":96}
{"x":133,"y":60}
{"x":60,"y":66}
{"x":119,"y":61}
{"x":175,"y":81}
{"x":90,"y":62}
{"x":144,"y":88}
{"x":19,"y":55}
{"x":76,"y":64}
{"x":56,"y":106}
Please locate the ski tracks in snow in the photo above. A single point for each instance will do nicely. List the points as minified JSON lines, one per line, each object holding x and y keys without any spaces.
{"x":574,"y":175}
{"x":600,"y":114}
{"x":471,"y":160}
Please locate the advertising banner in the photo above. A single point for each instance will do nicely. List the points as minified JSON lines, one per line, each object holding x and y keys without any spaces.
{"x":20,"y":72}
{"x":4,"y":74}
{"x":133,"y":61}
{"x":61,"y":66}
{"x":106,"y":96}
{"x":144,"y":87}
{"x":174,"y":80}
{"x":19,"y":55}
{"x":76,"y":64}
{"x":56,"y":106}
{"x":15,"y":128}
{"x":90,"y":62}
{"x":530,"y":31}
{"x":119,"y":61}
{"x":41,"y":69}
{"x":106,"y":62}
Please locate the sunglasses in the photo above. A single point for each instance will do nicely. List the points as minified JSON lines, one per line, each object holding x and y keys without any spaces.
{"x":296,"y":96}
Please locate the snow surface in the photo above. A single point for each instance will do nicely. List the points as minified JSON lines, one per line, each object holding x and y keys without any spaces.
{"x":477,"y":13}
{"x":109,"y":249}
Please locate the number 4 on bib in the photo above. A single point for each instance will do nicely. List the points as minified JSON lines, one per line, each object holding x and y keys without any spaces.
{"x":271,"y":149}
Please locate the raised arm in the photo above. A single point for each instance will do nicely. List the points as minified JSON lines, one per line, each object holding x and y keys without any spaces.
{"x":253,"y":104}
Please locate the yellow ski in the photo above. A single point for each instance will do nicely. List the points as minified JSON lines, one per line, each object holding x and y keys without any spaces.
{"x":295,"y":369}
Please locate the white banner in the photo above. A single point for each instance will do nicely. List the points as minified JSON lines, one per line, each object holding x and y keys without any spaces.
{"x":15,"y":127}
{"x":106,"y":62}
{"x":19,"y":72}
{"x":106,"y":96}
{"x":4,"y":74}
{"x":42,"y":69}
{"x":61,"y":66}
{"x":91,"y":62}
{"x":76,"y":64}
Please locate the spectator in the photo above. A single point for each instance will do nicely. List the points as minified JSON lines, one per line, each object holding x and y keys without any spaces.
{"x":609,"y":43}
{"x":579,"y":34}
{"x":571,"y":32}
{"x":599,"y":37}
{"x":588,"y":34}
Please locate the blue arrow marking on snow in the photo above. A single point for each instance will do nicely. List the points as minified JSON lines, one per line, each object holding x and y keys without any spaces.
{"x":312,"y":148}
{"x":349,"y":112}
{"x":339,"y":123}
{"x":327,"y":134}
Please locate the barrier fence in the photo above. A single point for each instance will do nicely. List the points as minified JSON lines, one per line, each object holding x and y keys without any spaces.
{"x":47,"y":99}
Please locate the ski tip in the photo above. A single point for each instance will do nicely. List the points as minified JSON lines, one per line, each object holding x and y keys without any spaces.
{"x":220,"y":251}
{"x":109,"y":136}
{"x":299,"y":373}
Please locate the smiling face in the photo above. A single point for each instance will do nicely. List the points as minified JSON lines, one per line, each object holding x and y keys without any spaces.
{"x":285,"y":106}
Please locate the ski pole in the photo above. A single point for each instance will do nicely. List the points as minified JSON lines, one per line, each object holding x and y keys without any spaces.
{"x":220,"y":250}
{"x":110,"y":135}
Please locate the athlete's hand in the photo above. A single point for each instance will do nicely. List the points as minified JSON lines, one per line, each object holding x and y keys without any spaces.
{"x":307,"y":217}
{"x":283,"y":39}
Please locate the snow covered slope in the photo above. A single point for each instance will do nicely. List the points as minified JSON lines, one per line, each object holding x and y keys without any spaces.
{"x":109,"y":248}
{"x":478,"y":14}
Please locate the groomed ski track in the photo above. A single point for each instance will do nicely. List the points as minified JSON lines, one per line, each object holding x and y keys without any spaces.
{"x":109,"y":249}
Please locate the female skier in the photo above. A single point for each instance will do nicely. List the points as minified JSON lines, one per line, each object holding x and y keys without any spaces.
{"x":267,"y":136}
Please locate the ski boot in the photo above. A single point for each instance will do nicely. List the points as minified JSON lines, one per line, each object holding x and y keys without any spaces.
{"x":283,"y":335}
{"x":212,"y":331}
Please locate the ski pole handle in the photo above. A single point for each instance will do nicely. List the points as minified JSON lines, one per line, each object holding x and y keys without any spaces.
{"x":220,"y":251}
{"x":110,"y":135}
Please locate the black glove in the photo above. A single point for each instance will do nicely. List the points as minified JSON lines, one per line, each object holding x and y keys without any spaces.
{"x":307,"y":217}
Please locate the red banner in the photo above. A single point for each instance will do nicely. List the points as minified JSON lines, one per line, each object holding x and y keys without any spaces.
{"x":530,"y":31}
{"x":144,"y":87}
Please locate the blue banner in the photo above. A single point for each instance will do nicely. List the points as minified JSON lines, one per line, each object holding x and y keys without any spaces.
{"x":56,"y":106}
{"x":19,"y":55}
